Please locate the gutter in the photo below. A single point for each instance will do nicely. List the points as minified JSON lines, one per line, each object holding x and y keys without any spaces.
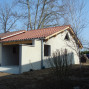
{"x":21,"y":40}
{"x":20,"y":58}
{"x":42,"y":54}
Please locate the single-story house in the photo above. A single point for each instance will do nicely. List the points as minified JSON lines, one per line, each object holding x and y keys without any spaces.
{"x":23,"y":50}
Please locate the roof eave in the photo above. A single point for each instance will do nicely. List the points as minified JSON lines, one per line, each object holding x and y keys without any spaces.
{"x":42,"y":38}
{"x":80,"y":44}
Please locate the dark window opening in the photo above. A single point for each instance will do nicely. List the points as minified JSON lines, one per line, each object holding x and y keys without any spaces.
{"x":14,"y":50}
{"x":47,"y":50}
{"x":67,"y":37}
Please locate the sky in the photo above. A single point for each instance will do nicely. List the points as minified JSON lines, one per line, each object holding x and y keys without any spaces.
{"x":85,"y":32}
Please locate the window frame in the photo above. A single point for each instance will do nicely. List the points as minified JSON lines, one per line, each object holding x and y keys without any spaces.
{"x":48,"y":50}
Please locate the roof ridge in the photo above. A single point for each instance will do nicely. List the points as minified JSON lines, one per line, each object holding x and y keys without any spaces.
{"x":50,"y":27}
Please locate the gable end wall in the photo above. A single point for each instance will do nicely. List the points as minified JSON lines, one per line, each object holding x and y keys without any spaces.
{"x":58,"y":43}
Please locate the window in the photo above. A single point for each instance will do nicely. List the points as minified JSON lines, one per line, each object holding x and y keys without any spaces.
{"x":14,"y":50}
{"x":47,"y":49}
{"x":67,"y":37}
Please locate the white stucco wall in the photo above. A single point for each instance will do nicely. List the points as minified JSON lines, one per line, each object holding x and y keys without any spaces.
{"x":31,"y":56}
{"x":59,"y":43}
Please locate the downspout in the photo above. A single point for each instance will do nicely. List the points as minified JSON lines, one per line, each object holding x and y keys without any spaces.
{"x":41,"y":53}
{"x":1,"y":55}
{"x":80,"y":58}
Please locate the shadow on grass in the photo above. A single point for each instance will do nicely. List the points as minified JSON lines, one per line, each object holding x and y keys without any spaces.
{"x":45,"y":79}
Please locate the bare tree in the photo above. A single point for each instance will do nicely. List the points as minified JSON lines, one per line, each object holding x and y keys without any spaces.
{"x":8,"y":18}
{"x":74,"y":15}
{"x":40,"y":13}
{"x":86,"y":45}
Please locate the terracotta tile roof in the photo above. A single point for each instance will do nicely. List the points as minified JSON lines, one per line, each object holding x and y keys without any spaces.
{"x":33,"y":34}
{"x":10,"y":34}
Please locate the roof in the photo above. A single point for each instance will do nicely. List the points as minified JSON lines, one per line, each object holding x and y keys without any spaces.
{"x":44,"y":33}
{"x":10,"y":34}
{"x":35,"y":34}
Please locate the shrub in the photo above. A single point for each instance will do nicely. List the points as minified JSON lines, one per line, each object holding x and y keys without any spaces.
{"x":61,"y":63}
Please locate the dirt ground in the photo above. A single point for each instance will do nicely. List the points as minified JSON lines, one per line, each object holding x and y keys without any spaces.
{"x":4,"y":74}
{"x":43,"y":79}
{"x":22,"y":81}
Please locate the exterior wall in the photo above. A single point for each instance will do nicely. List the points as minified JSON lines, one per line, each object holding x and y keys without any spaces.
{"x":59,"y":43}
{"x":0,"y":53}
{"x":31,"y":56}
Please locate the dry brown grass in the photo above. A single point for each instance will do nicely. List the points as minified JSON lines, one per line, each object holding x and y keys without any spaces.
{"x":44,"y":79}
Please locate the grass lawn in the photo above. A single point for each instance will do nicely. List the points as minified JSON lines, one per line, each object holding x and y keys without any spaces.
{"x":45,"y":79}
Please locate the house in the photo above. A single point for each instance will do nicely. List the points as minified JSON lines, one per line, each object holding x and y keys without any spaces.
{"x":23,"y":50}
